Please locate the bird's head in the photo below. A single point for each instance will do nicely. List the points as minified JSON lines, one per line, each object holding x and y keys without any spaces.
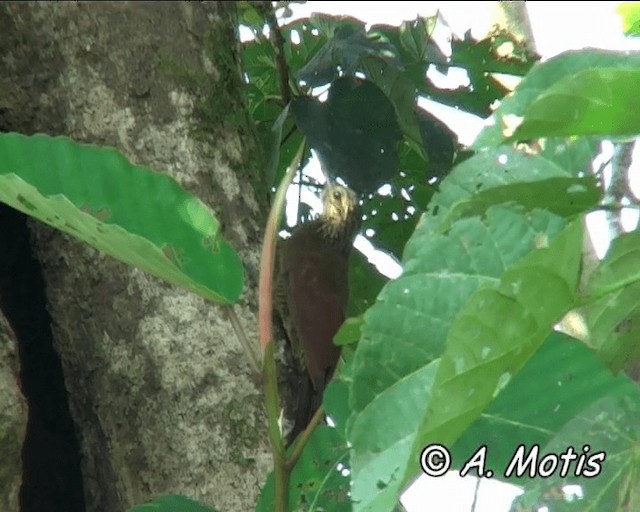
{"x":341,"y":212}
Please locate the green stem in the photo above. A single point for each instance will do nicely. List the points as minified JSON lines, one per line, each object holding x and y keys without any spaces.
{"x":304,"y":438}
{"x":280,"y":470}
{"x":265,"y":306}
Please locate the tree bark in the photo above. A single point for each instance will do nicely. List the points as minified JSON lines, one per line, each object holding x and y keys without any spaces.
{"x":13,"y":419}
{"x":161,"y":395}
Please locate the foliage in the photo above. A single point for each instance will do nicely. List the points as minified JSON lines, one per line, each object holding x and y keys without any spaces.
{"x":461,"y":349}
{"x":630,"y":13}
{"x":129,"y":212}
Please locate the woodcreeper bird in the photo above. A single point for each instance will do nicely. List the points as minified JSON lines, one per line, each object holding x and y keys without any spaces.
{"x":312,"y":290}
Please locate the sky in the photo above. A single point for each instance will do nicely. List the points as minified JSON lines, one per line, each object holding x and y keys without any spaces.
{"x":557,"y":27}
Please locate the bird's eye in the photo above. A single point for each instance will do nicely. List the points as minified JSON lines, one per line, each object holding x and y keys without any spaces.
{"x":337,"y":194}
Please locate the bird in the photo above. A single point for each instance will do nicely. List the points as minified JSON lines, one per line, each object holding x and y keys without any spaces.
{"x":312,"y":290}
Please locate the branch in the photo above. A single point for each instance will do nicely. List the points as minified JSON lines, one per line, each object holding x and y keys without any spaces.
{"x":265,"y":327}
{"x":620,"y":163}
{"x":304,"y":438}
{"x":278,"y":46}
{"x":247,"y":346}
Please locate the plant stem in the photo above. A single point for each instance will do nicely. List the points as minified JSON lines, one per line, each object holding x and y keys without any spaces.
{"x":304,"y":438}
{"x":265,"y":306}
{"x":247,"y":346}
{"x":280,"y":470}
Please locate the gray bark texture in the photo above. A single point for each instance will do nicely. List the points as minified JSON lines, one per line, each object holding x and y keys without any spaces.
{"x":161,"y":394}
{"x":13,"y":420}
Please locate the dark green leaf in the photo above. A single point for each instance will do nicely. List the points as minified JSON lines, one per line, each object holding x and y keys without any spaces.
{"x":365,"y":282}
{"x":354,"y":132}
{"x":439,"y":142}
{"x":311,"y":41}
{"x":348,"y":45}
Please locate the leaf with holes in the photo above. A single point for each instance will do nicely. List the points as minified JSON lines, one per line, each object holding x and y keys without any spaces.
{"x":127,"y":211}
{"x":542,"y":77}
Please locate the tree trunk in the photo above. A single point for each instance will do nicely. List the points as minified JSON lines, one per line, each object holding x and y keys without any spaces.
{"x":13,"y":419}
{"x":161,"y":396}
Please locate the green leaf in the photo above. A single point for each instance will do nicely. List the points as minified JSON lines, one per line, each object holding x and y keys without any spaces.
{"x":498,"y":331}
{"x":563,"y":196}
{"x":274,"y":149}
{"x":317,"y":482}
{"x":613,"y":323}
{"x":134,"y":214}
{"x":348,"y":45}
{"x":560,"y":381}
{"x":485,"y":171}
{"x":439,"y":141}
{"x":542,"y":77}
{"x":620,"y":266}
{"x":600,"y":101}
{"x":407,"y":329}
{"x":480,"y":59}
{"x":365,"y":282}
{"x":349,"y":332}
{"x":630,"y":13}
{"x":575,"y":155}
{"x":171,"y":503}
{"x":389,"y":219}
{"x":609,"y":428}
{"x":354,"y":132}
{"x":310,"y":42}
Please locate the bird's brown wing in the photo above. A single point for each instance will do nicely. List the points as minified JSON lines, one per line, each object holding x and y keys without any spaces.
{"x":317,"y":307}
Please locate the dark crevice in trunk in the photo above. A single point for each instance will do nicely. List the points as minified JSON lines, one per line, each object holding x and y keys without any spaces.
{"x":52,"y":481}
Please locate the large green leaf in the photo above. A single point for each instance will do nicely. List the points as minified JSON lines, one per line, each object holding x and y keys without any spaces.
{"x":130,"y":212}
{"x":600,"y":101}
{"x":613,"y":315}
{"x":542,"y":77}
{"x":448,"y":259}
{"x":484,"y":179}
{"x":608,"y":482}
{"x":563,"y":196}
{"x":498,"y":331}
{"x":575,"y":155}
{"x":560,"y":381}
{"x":409,"y":324}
